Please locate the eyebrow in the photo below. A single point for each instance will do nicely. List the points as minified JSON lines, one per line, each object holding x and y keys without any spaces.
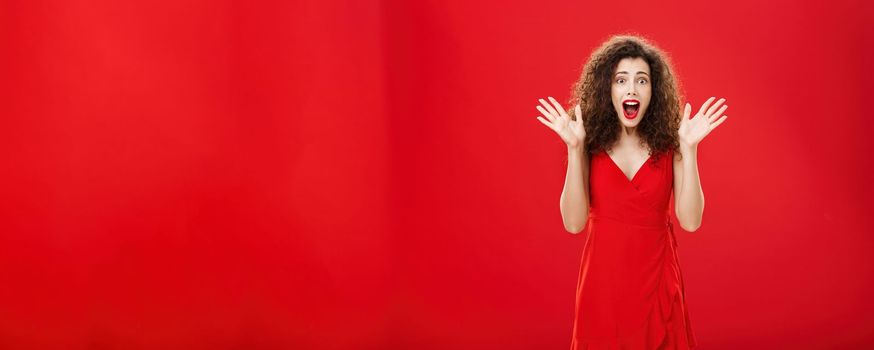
{"x":624,"y":72}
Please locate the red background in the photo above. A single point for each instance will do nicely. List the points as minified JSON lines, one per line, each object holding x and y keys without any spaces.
{"x":371,"y":175}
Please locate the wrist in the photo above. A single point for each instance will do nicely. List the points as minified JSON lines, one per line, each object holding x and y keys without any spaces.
{"x":578,"y":148}
{"x":685,"y":148}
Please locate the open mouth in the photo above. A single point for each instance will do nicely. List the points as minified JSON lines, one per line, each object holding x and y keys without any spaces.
{"x":630,"y":108}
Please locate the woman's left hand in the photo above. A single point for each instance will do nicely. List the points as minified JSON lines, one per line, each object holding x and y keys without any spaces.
{"x":692,"y":131}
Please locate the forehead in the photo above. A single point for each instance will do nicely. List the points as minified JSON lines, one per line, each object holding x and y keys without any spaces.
{"x":632,"y":65}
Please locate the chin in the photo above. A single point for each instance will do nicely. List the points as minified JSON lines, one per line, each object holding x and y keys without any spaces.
{"x":632,"y":122}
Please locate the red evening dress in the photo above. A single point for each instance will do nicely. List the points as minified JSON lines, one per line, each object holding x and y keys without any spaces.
{"x":630,"y":292}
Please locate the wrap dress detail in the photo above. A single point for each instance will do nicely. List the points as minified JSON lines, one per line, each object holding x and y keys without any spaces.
{"x":630,"y":292}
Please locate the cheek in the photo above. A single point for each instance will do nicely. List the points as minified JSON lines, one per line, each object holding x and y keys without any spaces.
{"x":648,"y":96}
{"x":617,"y":95}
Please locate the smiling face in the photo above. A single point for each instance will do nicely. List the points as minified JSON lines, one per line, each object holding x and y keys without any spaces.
{"x":631,"y":83}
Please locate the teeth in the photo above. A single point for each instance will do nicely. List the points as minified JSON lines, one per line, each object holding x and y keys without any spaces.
{"x":631,"y":103}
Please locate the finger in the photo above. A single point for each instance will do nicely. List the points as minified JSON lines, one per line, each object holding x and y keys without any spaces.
{"x":579,"y":114}
{"x":548,"y":124}
{"x":714,"y":107}
{"x":705,"y":105}
{"x":716,"y":114}
{"x":687,"y":112}
{"x":549,"y":108}
{"x":714,"y":125}
{"x":559,"y":108}
{"x":548,"y":115}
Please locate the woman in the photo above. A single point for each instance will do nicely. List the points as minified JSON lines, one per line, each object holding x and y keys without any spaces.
{"x":629,"y":149}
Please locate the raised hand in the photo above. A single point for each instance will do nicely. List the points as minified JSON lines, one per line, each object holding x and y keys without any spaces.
{"x":692,"y":131}
{"x":571,"y":132}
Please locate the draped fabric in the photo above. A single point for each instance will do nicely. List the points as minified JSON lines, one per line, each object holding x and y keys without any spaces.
{"x":630,"y":293}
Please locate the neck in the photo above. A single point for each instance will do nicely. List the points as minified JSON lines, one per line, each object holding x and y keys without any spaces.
{"x":628,"y":134}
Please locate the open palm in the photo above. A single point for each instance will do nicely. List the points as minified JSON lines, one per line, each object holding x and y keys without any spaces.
{"x":571,"y":132}
{"x":692,"y":131}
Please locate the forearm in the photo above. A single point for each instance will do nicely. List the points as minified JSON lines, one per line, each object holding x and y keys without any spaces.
{"x":574,"y":197}
{"x":690,"y":207}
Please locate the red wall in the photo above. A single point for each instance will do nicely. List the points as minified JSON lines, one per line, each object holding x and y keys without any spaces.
{"x":344,"y":174}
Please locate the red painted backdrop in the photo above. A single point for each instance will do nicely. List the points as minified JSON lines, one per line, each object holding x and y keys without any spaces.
{"x":371,"y":175}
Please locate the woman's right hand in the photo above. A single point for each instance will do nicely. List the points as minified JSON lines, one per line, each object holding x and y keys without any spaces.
{"x":571,"y":132}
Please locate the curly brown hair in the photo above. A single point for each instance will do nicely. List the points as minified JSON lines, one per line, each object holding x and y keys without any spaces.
{"x":658,"y":129}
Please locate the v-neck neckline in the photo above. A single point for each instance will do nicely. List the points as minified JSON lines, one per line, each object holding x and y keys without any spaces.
{"x":637,"y":172}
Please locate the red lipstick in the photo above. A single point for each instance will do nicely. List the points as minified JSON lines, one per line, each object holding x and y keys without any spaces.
{"x":630,"y":107}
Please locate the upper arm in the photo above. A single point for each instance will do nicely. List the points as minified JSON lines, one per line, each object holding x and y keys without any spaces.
{"x":678,"y":182}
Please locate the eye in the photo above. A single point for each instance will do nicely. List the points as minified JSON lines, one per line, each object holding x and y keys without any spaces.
{"x":643,"y":81}
{"x":620,"y":80}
